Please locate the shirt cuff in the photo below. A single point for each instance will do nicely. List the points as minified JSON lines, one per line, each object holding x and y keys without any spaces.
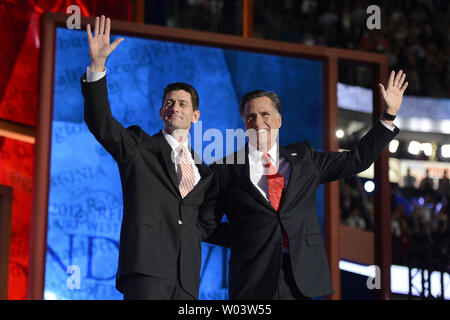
{"x":92,"y":76}
{"x":392,"y":128}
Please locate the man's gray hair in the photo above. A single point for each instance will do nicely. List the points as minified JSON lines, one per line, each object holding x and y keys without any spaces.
{"x":276,"y":102}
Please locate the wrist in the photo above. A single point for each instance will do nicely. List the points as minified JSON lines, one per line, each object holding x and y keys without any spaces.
{"x":97,"y":66}
{"x":389,"y":122}
{"x":388,"y":115}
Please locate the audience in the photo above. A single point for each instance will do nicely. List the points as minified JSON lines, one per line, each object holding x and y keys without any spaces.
{"x":413,"y":33}
{"x":419,"y":220}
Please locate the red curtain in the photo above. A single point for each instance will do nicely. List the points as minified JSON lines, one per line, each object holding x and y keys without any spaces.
{"x":19,"y":49}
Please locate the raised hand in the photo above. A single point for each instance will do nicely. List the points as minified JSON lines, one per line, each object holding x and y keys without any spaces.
{"x":99,"y":46}
{"x":393,"y":95}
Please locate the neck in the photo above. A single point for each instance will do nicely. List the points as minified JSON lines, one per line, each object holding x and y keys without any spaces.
{"x":180,"y":135}
{"x":263,"y":147}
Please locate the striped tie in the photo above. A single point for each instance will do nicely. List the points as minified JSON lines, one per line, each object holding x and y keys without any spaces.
{"x":187,"y":181}
{"x":276,"y":186}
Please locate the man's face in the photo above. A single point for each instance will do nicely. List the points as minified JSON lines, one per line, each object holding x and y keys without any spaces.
{"x":177,"y":111}
{"x":262,"y":122}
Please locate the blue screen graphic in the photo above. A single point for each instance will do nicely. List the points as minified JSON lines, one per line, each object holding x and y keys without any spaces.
{"x":85,"y":200}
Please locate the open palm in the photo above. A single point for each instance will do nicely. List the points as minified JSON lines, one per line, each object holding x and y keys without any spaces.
{"x":393,"y":94}
{"x":99,"y":44}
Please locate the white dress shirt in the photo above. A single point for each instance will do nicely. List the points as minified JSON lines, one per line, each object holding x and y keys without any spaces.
{"x":256,"y":166}
{"x":174,"y":144}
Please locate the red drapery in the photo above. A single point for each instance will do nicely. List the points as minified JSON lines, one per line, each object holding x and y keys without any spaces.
{"x":19,"y":49}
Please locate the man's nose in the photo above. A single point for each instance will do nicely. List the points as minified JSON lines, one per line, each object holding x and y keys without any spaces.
{"x":259,"y":122}
{"x":176,"y":106}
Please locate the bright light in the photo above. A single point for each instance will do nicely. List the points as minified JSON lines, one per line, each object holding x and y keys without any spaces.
{"x":368,"y":271}
{"x":421,"y":201}
{"x":369,"y":186}
{"x":49,"y":295}
{"x":445,"y":150}
{"x":445,"y":126}
{"x":340,"y":133}
{"x":426,"y":125}
{"x":426,"y":147}
{"x":393,"y":146}
{"x":400,"y":278}
{"x":414,"y":147}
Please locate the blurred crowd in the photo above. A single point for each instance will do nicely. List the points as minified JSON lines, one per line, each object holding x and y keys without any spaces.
{"x":413,"y":33}
{"x":419,"y":218}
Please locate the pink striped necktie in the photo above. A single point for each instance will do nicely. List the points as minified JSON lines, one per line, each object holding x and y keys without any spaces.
{"x":276,"y":186}
{"x":187,"y":181}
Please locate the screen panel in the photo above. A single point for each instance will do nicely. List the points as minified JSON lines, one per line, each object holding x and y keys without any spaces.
{"x":85,"y":197}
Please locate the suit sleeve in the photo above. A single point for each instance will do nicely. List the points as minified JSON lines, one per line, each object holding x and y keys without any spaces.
{"x":338,"y":165}
{"x":213,"y":230}
{"x":121,"y":143}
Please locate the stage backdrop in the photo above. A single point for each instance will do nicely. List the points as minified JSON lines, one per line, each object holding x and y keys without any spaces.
{"x":85,"y":200}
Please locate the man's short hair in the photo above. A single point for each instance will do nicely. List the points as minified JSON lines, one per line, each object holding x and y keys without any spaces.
{"x":186,"y":87}
{"x":276,"y":102}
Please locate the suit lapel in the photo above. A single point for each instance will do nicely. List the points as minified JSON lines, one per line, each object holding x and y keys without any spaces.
{"x":166,"y":159}
{"x":243,"y":174}
{"x":294,"y":159}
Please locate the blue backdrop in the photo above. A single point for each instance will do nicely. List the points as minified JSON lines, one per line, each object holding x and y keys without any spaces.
{"x":85,"y":200}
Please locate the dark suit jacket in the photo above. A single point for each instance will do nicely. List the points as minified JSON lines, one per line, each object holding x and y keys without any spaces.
{"x":158,"y":226}
{"x":256,"y":236}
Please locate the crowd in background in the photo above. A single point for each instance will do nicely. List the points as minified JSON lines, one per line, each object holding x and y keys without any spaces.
{"x":413,"y":33}
{"x":419,"y":218}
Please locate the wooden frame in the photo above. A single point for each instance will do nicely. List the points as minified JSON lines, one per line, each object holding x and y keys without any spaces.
{"x":330,"y":58}
{"x":6,"y":199}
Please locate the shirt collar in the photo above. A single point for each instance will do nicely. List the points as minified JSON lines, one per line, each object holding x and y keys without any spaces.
{"x":255,"y":155}
{"x":174,"y":144}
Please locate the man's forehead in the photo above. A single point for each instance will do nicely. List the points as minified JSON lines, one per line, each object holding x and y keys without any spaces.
{"x":259,"y":104}
{"x":178,"y":95}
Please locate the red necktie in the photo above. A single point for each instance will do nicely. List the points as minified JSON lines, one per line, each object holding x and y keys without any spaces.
{"x":276,"y":186}
{"x":187,"y":181}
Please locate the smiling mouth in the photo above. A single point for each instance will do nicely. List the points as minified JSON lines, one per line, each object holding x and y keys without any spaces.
{"x":172,"y":116}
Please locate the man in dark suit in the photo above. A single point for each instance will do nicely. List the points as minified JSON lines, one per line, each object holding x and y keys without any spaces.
{"x":277,"y":249}
{"x":168,"y":198}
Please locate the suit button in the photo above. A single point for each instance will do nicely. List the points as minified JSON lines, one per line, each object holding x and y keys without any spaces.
{"x":180,"y":222}
{"x":279,"y":243}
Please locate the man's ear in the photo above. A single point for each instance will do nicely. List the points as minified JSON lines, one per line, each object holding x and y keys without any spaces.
{"x":195,"y":116}
{"x":161,"y":113}
{"x":280,"y":121}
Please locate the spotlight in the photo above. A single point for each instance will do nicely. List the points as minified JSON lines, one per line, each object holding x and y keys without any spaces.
{"x":421,"y":201}
{"x":445,"y":150}
{"x":426,"y":147}
{"x":340,"y":134}
{"x":393,"y":146}
{"x":369,"y":186}
{"x":414,"y":147}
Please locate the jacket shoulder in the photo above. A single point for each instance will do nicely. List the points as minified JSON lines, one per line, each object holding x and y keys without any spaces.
{"x":303,"y":148}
